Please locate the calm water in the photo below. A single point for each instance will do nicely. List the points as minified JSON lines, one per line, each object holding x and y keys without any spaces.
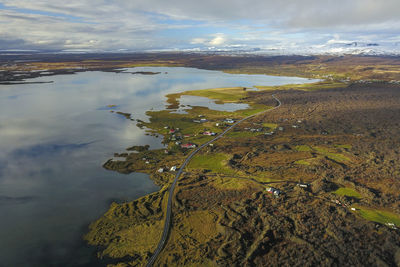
{"x":54,"y":139}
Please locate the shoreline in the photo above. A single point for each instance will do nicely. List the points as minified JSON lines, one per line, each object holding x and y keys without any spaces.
{"x":291,"y":146}
{"x":344,"y":68}
{"x":146,"y":214}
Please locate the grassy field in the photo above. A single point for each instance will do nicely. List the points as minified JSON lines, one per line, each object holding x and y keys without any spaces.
{"x":124,"y":229}
{"x":303,"y":148}
{"x":345,"y":146}
{"x":216,"y":163}
{"x":222,"y":95}
{"x":328,"y":152}
{"x":303,"y":162}
{"x":345,"y":191}
{"x":380,"y":216}
{"x":331,"y":155}
{"x":230,"y":183}
{"x":304,"y":87}
{"x":242,"y":134}
{"x":270,"y":125}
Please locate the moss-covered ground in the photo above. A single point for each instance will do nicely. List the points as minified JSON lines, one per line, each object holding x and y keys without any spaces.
{"x":222,"y":214}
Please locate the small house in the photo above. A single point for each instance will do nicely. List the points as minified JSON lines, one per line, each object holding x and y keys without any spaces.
{"x":209,"y":133}
{"x":188,"y":145}
{"x":274,"y":191}
{"x":160,"y":170}
{"x":303,"y":185}
{"x":173,"y":168}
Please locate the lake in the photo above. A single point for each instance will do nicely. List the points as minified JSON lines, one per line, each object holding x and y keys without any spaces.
{"x":55,"y":138}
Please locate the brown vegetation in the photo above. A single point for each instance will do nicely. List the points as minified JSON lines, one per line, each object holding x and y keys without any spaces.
{"x":345,"y":138}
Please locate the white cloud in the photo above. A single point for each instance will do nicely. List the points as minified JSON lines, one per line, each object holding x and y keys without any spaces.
{"x":218,"y":40}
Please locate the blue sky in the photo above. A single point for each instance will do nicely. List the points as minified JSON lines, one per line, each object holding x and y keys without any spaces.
{"x":286,"y":26}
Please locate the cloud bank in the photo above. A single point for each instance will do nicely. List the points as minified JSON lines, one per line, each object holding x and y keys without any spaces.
{"x":117,"y":25}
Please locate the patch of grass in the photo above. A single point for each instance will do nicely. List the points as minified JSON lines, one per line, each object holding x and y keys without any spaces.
{"x":238,"y":134}
{"x":203,"y":222}
{"x":129,"y":229}
{"x":214,"y":162}
{"x":345,"y":146}
{"x":322,"y":150}
{"x":337,"y":157}
{"x":230,"y":183}
{"x":346,"y":191}
{"x":231,"y":94}
{"x":130,"y":241}
{"x":264,"y":177}
{"x":303,"y":148}
{"x":199,"y":139}
{"x":255,"y":108}
{"x":380,"y":216}
{"x":331,"y":155}
{"x":304,"y":87}
{"x":192,"y":228}
{"x":272,"y":126}
{"x":303,"y":162}
{"x":160,"y":119}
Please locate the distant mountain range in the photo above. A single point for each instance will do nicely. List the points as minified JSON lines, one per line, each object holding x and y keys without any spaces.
{"x":331,"y":48}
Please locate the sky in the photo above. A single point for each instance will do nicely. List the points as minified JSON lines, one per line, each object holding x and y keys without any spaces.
{"x":150,"y":25}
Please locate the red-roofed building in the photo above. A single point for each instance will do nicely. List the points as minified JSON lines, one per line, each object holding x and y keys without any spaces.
{"x":188,"y":145}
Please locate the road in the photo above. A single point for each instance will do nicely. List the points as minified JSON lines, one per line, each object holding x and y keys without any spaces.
{"x":167,"y":223}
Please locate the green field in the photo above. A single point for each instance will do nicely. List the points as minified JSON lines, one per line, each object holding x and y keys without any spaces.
{"x":379,"y":216}
{"x":232,"y":94}
{"x":214,"y":162}
{"x":303,"y":162}
{"x":238,"y":134}
{"x":272,"y":126}
{"x":331,"y":155}
{"x":304,"y":87}
{"x":303,"y":148}
{"x":350,"y":192}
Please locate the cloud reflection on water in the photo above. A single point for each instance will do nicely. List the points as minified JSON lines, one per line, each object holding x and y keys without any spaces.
{"x":55,"y":138}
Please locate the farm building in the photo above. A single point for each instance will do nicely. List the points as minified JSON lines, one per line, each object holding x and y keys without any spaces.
{"x":274,"y":191}
{"x":188,"y":145}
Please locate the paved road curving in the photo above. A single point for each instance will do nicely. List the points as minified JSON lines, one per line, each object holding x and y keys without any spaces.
{"x":168,"y":216}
